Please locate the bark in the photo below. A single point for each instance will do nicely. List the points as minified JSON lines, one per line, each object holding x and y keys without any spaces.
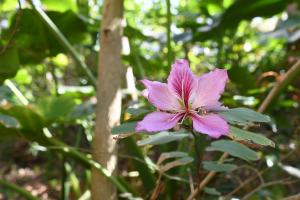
{"x":110,"y":73}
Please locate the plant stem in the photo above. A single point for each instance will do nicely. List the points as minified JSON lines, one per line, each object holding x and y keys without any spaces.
{"x":21,"y":191}
{"x":157,"y":188}
{"x":62,"y":40}
{"x":288,"y":78}
{"x":198,"y":159}
{"x":64,"y":179}
{"x":281,"y":182}
{"x":169,"y":21}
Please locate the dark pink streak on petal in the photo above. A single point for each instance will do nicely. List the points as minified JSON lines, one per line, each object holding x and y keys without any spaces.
{"x":160,"y":96}
{"x":181,"y":80}
{"x":158,"y":121}
{"x":211,"y":124}
{"x":210,"y":87}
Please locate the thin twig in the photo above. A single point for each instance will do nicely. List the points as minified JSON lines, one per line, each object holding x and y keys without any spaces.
{"x":293,"y":197}
{"x":289,"y":77}
{"x":228,"y":196}
{"x":282,"y":182}
{"x":157,"y":188}
{"x":206,"y":180}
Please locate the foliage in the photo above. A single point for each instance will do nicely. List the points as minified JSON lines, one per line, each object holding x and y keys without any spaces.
{"x":47,"y":114}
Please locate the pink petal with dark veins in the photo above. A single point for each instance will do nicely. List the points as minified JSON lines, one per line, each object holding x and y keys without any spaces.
{"x":210,"y":87}
{"x":211,"y":124}
{"x":160,"y":96}
{"x":158,"y":121}
{"x":182,"y":81}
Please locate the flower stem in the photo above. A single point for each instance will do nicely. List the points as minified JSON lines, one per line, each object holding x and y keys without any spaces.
{"x":157,"y":188}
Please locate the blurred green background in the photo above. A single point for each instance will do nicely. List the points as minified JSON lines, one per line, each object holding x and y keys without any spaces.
{"x":257,"y":41}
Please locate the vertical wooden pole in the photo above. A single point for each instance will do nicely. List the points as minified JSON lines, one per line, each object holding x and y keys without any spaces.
{"x":110,"y":73}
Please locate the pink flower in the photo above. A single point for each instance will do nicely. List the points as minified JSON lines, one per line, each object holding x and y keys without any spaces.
{"x":186,"y":96}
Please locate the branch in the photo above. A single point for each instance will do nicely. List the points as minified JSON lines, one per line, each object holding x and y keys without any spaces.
{"x":288,"y":78}
{"x":293,"y":197}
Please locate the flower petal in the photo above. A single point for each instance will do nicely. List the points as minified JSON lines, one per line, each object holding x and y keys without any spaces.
{"x":181,"y":80}
{"x":211,"y":124}
{"x":210,"y":87}
{"x":158,"y":121}
{"x":160,"y":96}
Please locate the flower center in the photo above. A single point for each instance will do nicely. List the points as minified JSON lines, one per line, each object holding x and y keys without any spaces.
{"x":201,"y":111}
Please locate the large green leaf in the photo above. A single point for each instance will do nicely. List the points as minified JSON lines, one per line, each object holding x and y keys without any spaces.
{"x":8,"y":121}
{"x":7,"y":132}
{"x":31,"y":123}
{"x":233,"y":148}
{"x":35,"y":41}
{"x":239,"y":134}
{"x":238,"y":11}
{"x":26,"y":116}
{"x":243,"y":116}
{"x":55,"y":108}
{"x":9,"y":63}
{"x":218,"y":167}
{"x":163,"y":137}
{"x":59,"y":5}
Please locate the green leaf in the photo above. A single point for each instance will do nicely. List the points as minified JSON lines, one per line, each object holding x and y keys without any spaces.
{"x":36,"y":42}
{"x":211,"y":191}
{"x":59,"y":5}
{"x":243,"y":116}
{"x":163,"y":137}
{"x":8,"y":121}
{"x":9,"y":63}
{"x":239,"y":134}
{"x":172,"y":154}
{"x":55,"y":108}
{"x":128,"y":127}
{"x":233,"y":148}
{"x":175,"y":163}
{"x":7,"y":132}
{"x":26,"y":116}
{"x":218,"y":167}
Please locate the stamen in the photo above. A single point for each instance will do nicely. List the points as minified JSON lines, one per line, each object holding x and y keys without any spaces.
{"x":201,"y":111}
{"x":183,"y":118}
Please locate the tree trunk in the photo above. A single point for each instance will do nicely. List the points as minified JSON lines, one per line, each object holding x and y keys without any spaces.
{"x":110,"y":73}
